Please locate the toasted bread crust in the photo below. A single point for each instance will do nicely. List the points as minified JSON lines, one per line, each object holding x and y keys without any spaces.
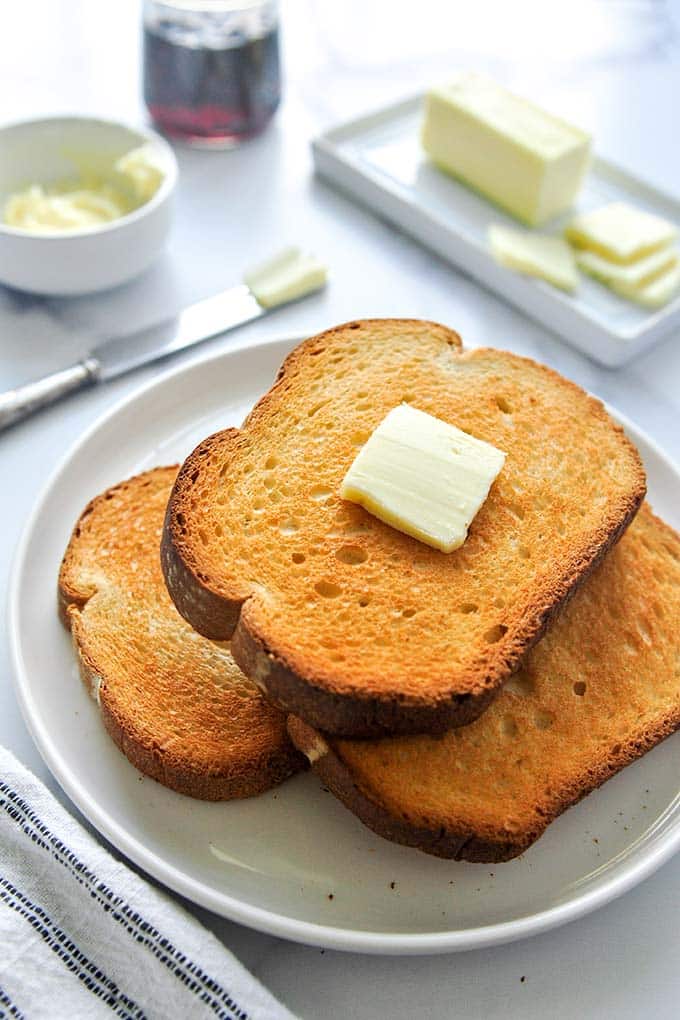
{"x":461,"y":844}
{"x":600,"y":691}
{"x":169,"y":747}
{"x":222,"y":608}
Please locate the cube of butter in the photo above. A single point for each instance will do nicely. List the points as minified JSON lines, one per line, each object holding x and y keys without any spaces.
{"x":628,"y":278}
{"x":423,"y":476}
{"x":657,"y":293}
{"x":521,"y":157}
{"x":620,"y":232}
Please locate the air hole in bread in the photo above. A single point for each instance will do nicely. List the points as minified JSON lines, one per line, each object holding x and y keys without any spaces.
{"x":317,"y":407}
{"x":525,"y":552}
{"x":494,"y":634}
{"x":203,"y":536}
{"x":258,"y":505}
{"x":364,"y":601}
{"x":543,"y":720}
{"x":218,"y":530}
{"x":181,"y":520}
{"x":579,"y":688}
{"x":270,"y":463}
{"x":364,"y":406}
{"x":359,"y":438}
{"x":516,"y":510}
{"x":320,"y":492}
{"x":520,"y":683}
{"x":499,"y":602}
{"x":351,"y":554}
{"x":275,"y":496}
{"x":469,"y":607}
{"x":357,"y":528}
{"x":508,"y":726}
{"x":328,"y":589}
{"x":408,"y":614}
{"x":289,"y":526}
{"x":408,"y":398}
{"x":630,"y":643}
{"x":298,"y":557}
{"x":616,"y":749}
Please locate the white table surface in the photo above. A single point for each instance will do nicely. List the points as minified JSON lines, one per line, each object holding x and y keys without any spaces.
{"x":614,"y":67}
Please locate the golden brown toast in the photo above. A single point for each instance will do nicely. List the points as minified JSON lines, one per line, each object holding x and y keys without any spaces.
{"x":175,"y":703}
{"x":600,"y":689}
{"x":340,"y":618}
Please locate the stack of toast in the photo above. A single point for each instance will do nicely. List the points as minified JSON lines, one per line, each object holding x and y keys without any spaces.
{"x":454,"y":702}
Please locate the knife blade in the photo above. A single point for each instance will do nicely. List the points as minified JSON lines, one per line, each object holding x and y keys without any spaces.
{"x":193,"y":325}
{"x":295,"y":276}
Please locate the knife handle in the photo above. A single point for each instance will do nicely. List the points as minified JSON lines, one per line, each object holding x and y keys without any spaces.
{"x":24,"y":400}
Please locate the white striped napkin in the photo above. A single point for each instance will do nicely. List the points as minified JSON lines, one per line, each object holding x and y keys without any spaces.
{"x":82,"y":936}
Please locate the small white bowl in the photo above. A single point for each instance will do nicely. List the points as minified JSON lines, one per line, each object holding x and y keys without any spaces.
{"x":79,"y":262}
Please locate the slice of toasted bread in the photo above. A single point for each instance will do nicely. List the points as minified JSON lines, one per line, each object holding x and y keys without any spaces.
{"x":340,"y":618}
{"x":600,"y":689}
{"x":176,"y":704}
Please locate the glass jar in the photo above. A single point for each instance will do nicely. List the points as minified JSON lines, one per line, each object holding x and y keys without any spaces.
{"x":211,"y":68}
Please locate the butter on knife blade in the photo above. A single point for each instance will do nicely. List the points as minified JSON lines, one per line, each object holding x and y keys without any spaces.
{"x":285,"y":277}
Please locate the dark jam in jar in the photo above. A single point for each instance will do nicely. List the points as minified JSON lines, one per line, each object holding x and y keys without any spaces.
{"x":211,"y":79}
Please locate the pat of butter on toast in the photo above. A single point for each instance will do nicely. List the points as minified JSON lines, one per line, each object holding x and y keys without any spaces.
{"x":423,"y":476}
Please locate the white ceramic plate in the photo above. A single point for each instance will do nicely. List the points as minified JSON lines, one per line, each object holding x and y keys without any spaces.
{"x":378,"y":160}
{"x":273,"y":862}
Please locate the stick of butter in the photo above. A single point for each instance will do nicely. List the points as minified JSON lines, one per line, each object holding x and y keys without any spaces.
{"x":627,"y":279}
{"x":519,"y":156}
{"x":423,"y":476}
{"x":620,"y":232}
{"x":285,"y":277}
{"x":549,"y":258}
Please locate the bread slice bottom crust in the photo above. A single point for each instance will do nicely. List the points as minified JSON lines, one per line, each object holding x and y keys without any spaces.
{"x":174,"y":703}
{"x":600,"y":690}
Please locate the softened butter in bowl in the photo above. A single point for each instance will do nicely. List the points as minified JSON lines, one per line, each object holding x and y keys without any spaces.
{"x":85,"y":204}
{"x":90,"y":199}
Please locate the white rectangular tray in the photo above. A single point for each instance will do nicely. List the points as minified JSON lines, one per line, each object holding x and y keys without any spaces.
{"x":378,"y":160}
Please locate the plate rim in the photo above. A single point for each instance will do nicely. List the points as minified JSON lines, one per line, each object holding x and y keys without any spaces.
{"x":224,"y":904}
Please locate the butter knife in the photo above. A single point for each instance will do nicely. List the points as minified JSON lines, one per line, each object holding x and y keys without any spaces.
{"x":287,"y":277}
